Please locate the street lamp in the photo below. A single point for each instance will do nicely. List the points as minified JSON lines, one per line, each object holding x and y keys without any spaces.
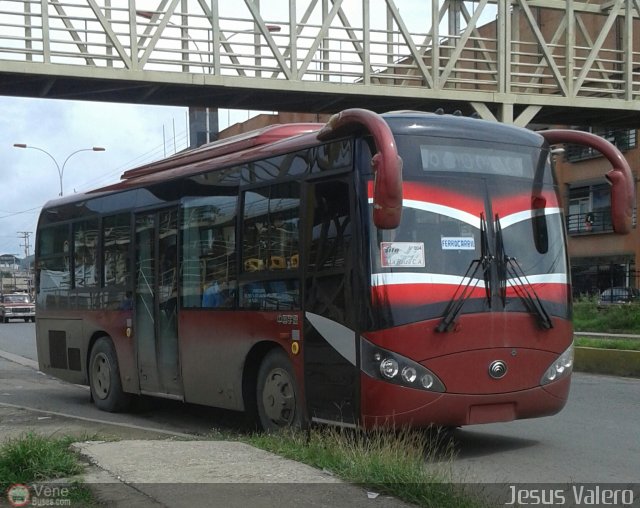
{"x":58,"y":167}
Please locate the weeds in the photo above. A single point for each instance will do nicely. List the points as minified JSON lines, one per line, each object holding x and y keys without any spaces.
{"x":33,"y":458}
{"x":412,"y":465}
{"x":588,"y":317}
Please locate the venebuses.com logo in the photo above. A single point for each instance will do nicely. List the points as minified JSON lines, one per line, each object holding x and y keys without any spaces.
{"x":18,"y":495}
{"x":38,"y":495}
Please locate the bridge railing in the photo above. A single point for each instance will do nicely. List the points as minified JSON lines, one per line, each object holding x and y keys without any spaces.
{"x":555,"y":49}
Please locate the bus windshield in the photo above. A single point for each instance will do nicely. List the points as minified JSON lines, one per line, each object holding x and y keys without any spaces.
{"x":459,"y":196}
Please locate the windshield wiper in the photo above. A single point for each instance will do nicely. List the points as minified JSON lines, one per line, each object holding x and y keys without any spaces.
{"x":465,"y":289}
{"x":508,"y":267}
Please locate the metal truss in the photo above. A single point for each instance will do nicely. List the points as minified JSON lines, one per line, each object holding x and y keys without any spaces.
{"x":511,"y":60}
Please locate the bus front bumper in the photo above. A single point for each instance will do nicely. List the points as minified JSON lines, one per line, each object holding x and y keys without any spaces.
{"x":395,"y":406}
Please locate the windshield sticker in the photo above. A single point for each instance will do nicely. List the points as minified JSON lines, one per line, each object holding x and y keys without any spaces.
{"x":402,"y":254}
{"x":458,"y":243}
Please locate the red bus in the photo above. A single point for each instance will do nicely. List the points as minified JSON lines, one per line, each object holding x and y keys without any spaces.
{"x":398,"y":269}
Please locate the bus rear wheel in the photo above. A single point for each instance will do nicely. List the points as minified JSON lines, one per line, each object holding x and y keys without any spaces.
{"x":277,"y":393}
{"x":104,"y":378}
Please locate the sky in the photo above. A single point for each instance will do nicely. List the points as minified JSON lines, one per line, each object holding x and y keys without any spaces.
{"x":132,"y":135}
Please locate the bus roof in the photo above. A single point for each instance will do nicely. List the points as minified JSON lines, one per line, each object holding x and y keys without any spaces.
{"x":225,"y":146}
{"x":290,"y":137}
{"x":431,"y":123}
{"x":459,"y":127}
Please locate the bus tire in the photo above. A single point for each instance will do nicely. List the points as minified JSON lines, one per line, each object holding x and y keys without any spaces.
{"x":278,"y":402}
{"x":104,"y":378}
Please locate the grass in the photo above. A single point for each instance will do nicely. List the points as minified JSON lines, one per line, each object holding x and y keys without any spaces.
{"x":33,"y":458}
{"x":604,"y":343}
{"x":411,"y":465}
{"x":588,"y":317}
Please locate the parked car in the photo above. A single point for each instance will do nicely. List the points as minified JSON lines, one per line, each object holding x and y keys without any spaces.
{"x":619,"y":295}
{"x":17,"y":306}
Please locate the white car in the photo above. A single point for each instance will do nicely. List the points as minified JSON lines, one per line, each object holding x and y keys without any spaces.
{"x":17,"y":306}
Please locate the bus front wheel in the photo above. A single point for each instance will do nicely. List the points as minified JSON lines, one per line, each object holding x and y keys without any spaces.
{"x":277,"y":393}
{"x":104,"y":378}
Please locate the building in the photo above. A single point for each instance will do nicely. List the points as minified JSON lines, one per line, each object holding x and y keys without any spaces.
{"x":599,"y":258}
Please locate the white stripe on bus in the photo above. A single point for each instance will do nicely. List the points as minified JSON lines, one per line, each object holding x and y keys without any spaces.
{"x":391,"y":279}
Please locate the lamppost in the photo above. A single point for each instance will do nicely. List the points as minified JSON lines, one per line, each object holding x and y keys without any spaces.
{"x":58,"y":167}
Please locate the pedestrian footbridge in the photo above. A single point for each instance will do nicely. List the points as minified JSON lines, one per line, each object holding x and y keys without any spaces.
{"x":518,"y":61}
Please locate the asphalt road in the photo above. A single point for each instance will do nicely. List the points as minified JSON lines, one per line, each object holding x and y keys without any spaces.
{"x":596,"y":438}
{"x":19,"y":338}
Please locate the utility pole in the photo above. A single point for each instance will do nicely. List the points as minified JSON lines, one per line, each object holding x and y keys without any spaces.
{"x":25,"y":238}
{"x":25,"y":235}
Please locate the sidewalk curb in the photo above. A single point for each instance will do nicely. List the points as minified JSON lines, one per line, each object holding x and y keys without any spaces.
{"x":613,"y":362}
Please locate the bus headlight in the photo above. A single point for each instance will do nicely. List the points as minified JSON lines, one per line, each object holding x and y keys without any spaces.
{"x":409,"y":374}
{"x":560,"y":368}
{"x":394,"y":368}
{"x":389,"y":368}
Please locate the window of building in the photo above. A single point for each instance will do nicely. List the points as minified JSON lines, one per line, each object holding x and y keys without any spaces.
{"x":589,"y":209}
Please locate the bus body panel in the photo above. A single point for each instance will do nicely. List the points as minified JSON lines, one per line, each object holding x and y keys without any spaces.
{"x":73,"y":331}
{"x":473,"y":332}
{"x":214,"y":346}
{"x":56,"y":340}
{"x":397,"y":406}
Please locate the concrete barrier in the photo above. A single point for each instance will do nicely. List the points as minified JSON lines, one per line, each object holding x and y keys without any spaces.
{"x":615,"y":362}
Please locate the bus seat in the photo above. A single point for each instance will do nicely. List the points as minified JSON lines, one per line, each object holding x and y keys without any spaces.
{"x":277,"y":263}
{"x":253,"y":265}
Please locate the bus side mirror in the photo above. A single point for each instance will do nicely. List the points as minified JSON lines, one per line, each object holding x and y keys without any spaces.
{"x":387,"y":191}
{"x":620,"y":177}
{"x":386,"y":163}
{"x":539,"y":224}
{"x":620,"y":210}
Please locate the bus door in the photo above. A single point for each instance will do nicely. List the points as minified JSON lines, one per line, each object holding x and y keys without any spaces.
{"x":331,"y":372}
{"x":156,"y":304}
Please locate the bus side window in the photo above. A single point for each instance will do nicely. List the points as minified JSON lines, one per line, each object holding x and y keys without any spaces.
{"x":208,"y":270}
{"x":270,"y":246}
{"x":54,"y":270}
{"x":85,"y":246}
{"x":270,"y":231}
{"x":116,"y":267}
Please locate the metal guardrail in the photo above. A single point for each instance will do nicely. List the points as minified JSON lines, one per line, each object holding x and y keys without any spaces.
{"x":589,"y":222}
